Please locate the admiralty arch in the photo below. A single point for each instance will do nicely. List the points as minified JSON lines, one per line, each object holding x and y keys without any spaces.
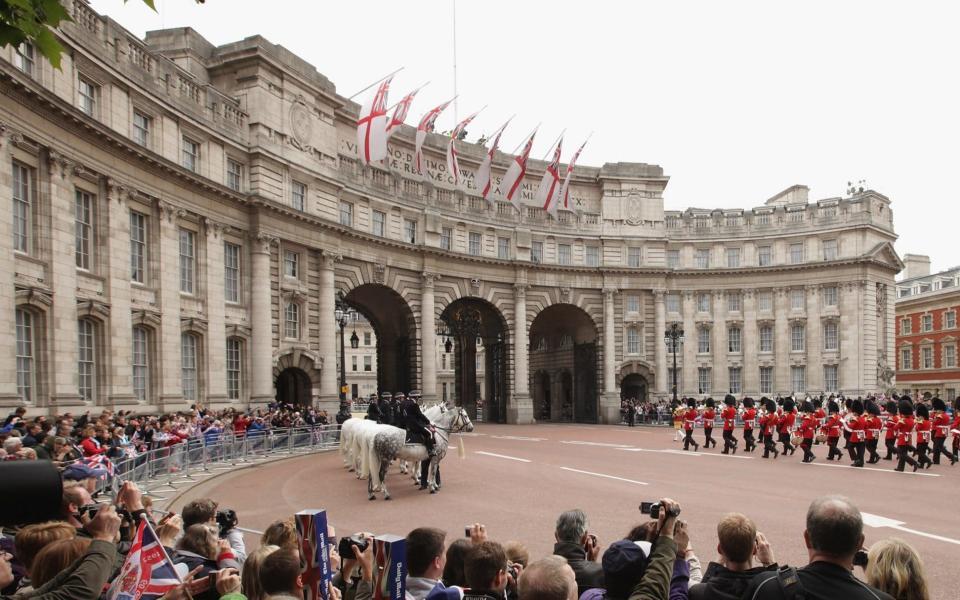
{"x":182,"y":221}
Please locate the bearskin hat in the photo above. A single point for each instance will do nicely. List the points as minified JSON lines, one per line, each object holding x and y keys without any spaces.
{"x":905,"y":407}
{"x":770,"y":405}
{"x":691,"y":403}
{"x":891,"y":407}
{"x":833,"y":408}
{"x":709,"y":402}
{"x":939,"y":404}
{"x":789,"y":404}
{"x":922,"y":411}
{"x":748,"y":402}
{"x":730,"y":400}
{"x":818,"y":402}
{"x":856,"y":406}
{"x":873,"y":408}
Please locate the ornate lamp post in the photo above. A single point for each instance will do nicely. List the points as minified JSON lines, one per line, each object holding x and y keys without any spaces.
{"x":344,"y":314}
{"x":672,"y":337}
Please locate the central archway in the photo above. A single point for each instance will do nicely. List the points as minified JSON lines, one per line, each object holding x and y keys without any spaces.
{"x":395,"y":330}
{"x":563,"y":345}
{"x":294,"y":388}
{"x":634,"y":387}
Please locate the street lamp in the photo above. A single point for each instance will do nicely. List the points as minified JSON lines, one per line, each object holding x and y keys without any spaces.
{"x":344,"y":313}
{"x":672,"y":337}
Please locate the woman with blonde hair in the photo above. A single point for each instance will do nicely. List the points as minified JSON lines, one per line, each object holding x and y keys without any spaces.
{"x":56,"y":557}
{"x":250,"y":575}
{"x":893,"y":566}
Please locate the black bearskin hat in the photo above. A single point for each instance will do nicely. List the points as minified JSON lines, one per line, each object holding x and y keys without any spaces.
{"x":807,"y":406}
{"x":905,"y":407}
{"x":691,"y":403}
{"x":891,"y":407}
{"x":770,"y":405}
{"x":789,"y":405}
{"x":748,"y":402}
{"x":939,"y":404}
{"x":709,"y":402}
{"x":730,"y":400}
{"x":873,"y":408}
{"x":833,"y":408}
{"x":922,"y":411}
{"x":856,"y":406}
{"x":818,"y":402}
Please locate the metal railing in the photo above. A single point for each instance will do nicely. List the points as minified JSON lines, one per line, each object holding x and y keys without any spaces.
{"x":164,"y":470}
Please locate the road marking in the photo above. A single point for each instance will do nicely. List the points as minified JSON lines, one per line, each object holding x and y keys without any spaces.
{"x":605,"y":476}
{"x":470,"y":434}
{"x":685,"y":453}
{"x":502,"y":456}
{"x":872,"y":469}
{"x":601,"y":444}
{"x":518,"y":438}
{"x":871,"y":520}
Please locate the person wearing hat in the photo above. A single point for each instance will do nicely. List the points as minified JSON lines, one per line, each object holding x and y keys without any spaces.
{"x":418,"y":426}
{"x":856,"y":423}
{"x":833,"y":426}
{"x":905,"y":435}
{"x":388,"y":415}
{"x":890,"y":437}
{"x":808,"y":428}
{"x":820,"y":413}
{"x":749,"y":422}
{"x":689,"y":421}
{"x":923,"y":427}
{"x":873,"y":425}
{"x":941,"y":427}
{"x":729,"y":416}
{"x":785,"y":424}
{"x":709,"y":416}
{"x":373,"y":409}
{"x":768,"y":425}
{"x":955,"y":428}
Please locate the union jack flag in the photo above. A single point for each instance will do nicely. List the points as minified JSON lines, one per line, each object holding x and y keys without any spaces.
{"x":314,"y":553}
{"x":147,"y":573}
{"x":100,"y":462}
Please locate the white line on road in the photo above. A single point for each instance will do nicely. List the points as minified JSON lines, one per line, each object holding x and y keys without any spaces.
{"x":871,"y":520}
{"x":684,"y":453}
{"x":605,"y":476}
{"x":502,"y":456}
{"x":872,"y":469}
{"x":601,"y":444}
{"x":518,"y":438}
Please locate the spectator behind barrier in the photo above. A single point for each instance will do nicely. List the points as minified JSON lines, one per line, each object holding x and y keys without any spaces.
{"x":549,"y":578}
{"x":581,"y":549}
{"x":738,"y":544}
{"x":518,"y":553}
{"x":425,"y":561}
{"x":56,"y":557}
{"x":32,"y":538}
{"x":894,"y":567}
{"x":485,"y":569}
{"x":250,"y":575}
{"x":453,"y":571}
{"x":200,"y":547}
{"x":281,"y":533}
{"x":280,"y":574}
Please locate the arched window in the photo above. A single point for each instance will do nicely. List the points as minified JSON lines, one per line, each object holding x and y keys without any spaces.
{"x":26,"y":373}
{"x":234,"y":367}
{"x":566,"y":341}
{"x":291,"y":321}
{"x":87,"y":359}
{"x":188,"y":365}
{"x":141,"y":363}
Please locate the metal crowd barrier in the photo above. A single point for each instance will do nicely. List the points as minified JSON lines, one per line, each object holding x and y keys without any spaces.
{"x":162,"y":471}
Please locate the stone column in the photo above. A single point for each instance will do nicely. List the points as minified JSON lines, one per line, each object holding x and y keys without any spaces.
{"x":62,"y":326}
{"x":428,"y":339}
{"x":610,"y":400}
{"x":721,"y":376}
{"x":216,"y":322}
{"x":8,"y":298}
{"x":751,"y":345}
{"x":327,"y":347}
{"x":117,"y":270}
{"x":170,"y":384}
{"x":261,"y":321}
{"x":521,"y":409}
{"x":849,"y":338}
{"x":689,"y":372}
{"x":662,"y":385}
{"x":814,"y":340}
{"x":781,"y":342}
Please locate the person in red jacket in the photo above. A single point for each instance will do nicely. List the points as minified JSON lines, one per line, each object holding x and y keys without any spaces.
{"x":941,"y":427}
{"x":923,"y":428}
{"x":833,"y":427}
{"x":89,"y":443}
{"x":955,"y":428}
{"x":785,"y":425}
{"x":709,"y":416}
{"x":872,"y":427}
{"x":808,"y":428}
{"x":905,"y":435}
{"x":890,"y":437}
{"x":749,"y":423}
{"x":856,"y":422}
{"x":729,"y":416}
{"x":769,"y":425}
{"x":689,"y":421}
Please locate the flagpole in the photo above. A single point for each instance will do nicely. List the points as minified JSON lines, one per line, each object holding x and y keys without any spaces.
{"x":375,"y":83}
{"x":559,"y":137}
{"x":394,"y":105}
{"x":526,"y":137}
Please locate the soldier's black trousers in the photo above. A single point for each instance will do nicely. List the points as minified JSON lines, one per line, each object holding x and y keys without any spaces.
{"x":834,"y":451}
{"x":729,"y":442}
{"x":872,"y":449}
{"x":748,"y":440}
{"x":905,"y":458}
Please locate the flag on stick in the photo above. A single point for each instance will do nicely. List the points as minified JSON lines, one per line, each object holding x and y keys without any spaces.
{"x":453,"y":163}
{"x":548,"y":194}
{"x":564,"y":198}
{"x":147,"y":573}
{"x":372,"y":125}
{"x":515,"y":172}
{"x":484,"y":181}
{"x":426,"y":126}
{"x":400,"y":113}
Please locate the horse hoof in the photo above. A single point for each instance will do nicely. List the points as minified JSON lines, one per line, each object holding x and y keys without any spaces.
{"x":433,"y":491}
{"x":372,"y":497}
{"x":386,"y":497}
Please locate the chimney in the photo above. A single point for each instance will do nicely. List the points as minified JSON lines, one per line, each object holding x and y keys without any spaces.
{"x":917,"y":265}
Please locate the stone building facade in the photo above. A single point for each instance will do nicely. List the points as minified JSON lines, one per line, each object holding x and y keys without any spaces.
{"x":183,"y":217}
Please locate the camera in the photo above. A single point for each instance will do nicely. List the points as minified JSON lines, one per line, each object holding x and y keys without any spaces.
{"x":345,"y":547}
{"x":653,"y":509}
{"x":513,"y":571}
{"x":860,"y":559}
{"x":226,"y":520}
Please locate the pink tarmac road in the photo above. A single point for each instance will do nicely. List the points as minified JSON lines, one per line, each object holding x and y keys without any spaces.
{"x":517,"y":479}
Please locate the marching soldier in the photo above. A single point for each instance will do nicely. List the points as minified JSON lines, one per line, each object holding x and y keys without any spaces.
{"x":769,"y":425}
{"x":955,"y":428}
{"x":873,"y":426}
{"x":833,"y":427}
{"x":890,"y":437}
{"x":820,"y":413}
{"x":905,"y":435}
{"x":941,"y":427}
{"x":923,"y":427}
{"x":808,"y":428}
{"x":785,"y":424}
{"x":678,"y":412}
{"x":729,"y":416}
{"x":689,"y":421}
{"x":856,"y":423}
{"x":749,"y":422}
{"x":709,"y":415}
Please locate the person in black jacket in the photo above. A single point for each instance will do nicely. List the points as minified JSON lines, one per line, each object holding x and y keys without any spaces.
{"x":373,"y":409}
{"x":739,"y":544}
{"x":581,"y":549}
{"x":418,"y":426}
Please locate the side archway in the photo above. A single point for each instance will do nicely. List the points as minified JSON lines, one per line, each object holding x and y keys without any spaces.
{"x":563,"y":342}
{"x":296,"y":379}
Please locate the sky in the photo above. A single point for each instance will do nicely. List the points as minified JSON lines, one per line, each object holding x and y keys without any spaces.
{"x":736,"y":100}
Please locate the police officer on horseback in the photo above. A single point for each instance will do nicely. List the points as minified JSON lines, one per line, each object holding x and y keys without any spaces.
{"x":373,"y":409}
{"x":418,"y":426}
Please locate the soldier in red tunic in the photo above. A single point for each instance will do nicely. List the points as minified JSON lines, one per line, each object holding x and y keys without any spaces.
{"x":857,"y":423}
{"x":833,"y":427}
{"x":808,"y":428}
{"x":905,"y":435}
{"x":890,"y":437}
{"x":785,"y":424}
{"x":769,"y":425}
{"x":729,"y":416}
{"x":872,"y":426}
{"x":941,"y":427}
{"x":749,"y":422}
{"x":955,"y":428}
{"x":689,"y":421}
{"x":923,"y":428}
{"x":709,"y":416}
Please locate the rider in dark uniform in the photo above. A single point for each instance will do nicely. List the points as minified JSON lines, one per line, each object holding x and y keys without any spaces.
{"x":373,"y":409}
{"x":417,"y":425}
{"x":387,"y":414}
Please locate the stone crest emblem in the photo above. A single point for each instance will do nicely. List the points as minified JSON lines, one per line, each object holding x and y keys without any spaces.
{"x":301,"y":124}
{"x":633,"y":209}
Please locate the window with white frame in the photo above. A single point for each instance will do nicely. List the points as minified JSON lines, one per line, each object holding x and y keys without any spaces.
{"x":367,"y":338}
{"x":354,"y":363}
{"x":736,"y":380}
{"x":704,"y":380}
{"x":703,"y":303}
{"x":633,"y":256}
{"x":234,"y":175}
{"x":733,"y":257}
{"x":949,"y":319}
{"x":734,"y":340}
{"x":949,"y":358}
{"x":675,"y":375}
{"x":368,"y":363}
{"x":188,"y":260}
{"x":503,"y":248}
{"x":446,"y":237}
{"x":703,"y":340}
{"x":234,"y":369}
{"x":83,"y":229}
{"x":291,"y":321}
{"x":798,"y":299}
{"x":188,"y":365}
{"x":906,"y":358}
{"x":191,"y":154}
{"x":701,"y":258}
{"x":138,"y":247}
{"x":378,"y":225}
{"x":830,"y":250}
{"x":765,"y":301}
{"x":291,"y":264}
{"x":766,"y":338}
{"x":766,"y":380}
{"x":831,"y":378}
{"x":564,"y":254}
{"x":592,"y":256}
{"x":141,"y":128}
{"x":734,"y":302}
{"x":830,"y":296}
{"x":346,"y":214}
{"x":798,"y":338}
{"x":798,"y":378}
{"x":87,"y":96}
{"x":926,"y":323}
{"x":298,"y":200}
{"x":86,"y":360}
{"x":831,"y":339}
{"x":673,"y":303}
{"x":140,"y":361}
{"x":633,"y":340}
{"x":474,"y":243}
{"x":231,"y":272}
{"x":22,"y":212}
{"x":906,"y":326}
{"x":24,"y":58}
{"x":673,"y":259}
{"x":926,"y":357}
{"x":410,"y":231}
{"x":536,"y":252}
{"x":796,"y":253}
{"x":26,"y":375}
{"x":764,"y":256}
{"x":633,"y":303}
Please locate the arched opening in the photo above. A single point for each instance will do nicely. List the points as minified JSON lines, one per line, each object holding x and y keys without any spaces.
{"x":563,"y":340}
{"x":385,"y":356}
{"x":543,"y":406}
{"x":634,"y":387}
{"x":478,"y":334}
{"x":294,"y":387}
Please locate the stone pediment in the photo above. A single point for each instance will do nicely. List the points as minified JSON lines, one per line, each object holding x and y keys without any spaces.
{"x":884,"y":253}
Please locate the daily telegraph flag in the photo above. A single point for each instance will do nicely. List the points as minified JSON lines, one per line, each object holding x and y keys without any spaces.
{"x":400,"y":113}
{"x":314,"y":554}
{"x":147,"y":573}
{"x":548,"y":194}
{"x":514,"y":175}
{"x":453,"y":162}
{"x":372,"y":125}
{"x":426,"y":126}
{"x":390,"y":565}
{"x":564,"y":200}
{"x":484,"y":181}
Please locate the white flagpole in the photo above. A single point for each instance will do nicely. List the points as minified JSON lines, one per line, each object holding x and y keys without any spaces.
{"x":375,"y":83}
{"x":394,"y":105}
{"x":524,"y":140}
{"x":559,"y":137}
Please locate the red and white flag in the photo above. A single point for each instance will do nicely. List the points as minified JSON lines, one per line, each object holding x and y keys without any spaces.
{"x":372,"y":125}
{"x":400,"y":113}
{"x":514,"y":175}
{"x":147,"y":573}
{"x":548,"y":194}
{"x":564,"y":197}
{"x":426,"y":126}
{"x":484,"y":180}
{"x":453,"y":163}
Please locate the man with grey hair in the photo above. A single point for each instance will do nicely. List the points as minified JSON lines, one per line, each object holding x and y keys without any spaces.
{"x":579,"y":547}
{"x":834,"y":534}
{"x":549,"y":578}
{"x":12,"y":445}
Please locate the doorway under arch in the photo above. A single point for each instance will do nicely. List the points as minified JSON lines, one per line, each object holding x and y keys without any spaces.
{"x":294,"y":388}
{"x":563,"y":341}
{"x":634,"y":387}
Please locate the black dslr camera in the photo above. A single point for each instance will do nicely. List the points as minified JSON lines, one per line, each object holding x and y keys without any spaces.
{"x":653,"y":509}
{"x":344,"y":548}
{"x":226,"y":520}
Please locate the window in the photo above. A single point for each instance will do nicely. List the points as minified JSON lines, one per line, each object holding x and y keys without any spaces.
{"x":734,"y":302}
{"x":675,"y":377}
{"x":830,"y":296}
{"x":141,"y":363}
{"x":563,"y":254}
{"x":291,"y":321}
{"x":704,"y":381}
{"x":764,"y":256}
{"x":733,"y":257}
{"x":87,"y":97}
{"x":141,"y":128}
{"x":187,"y":260}
{"x":474,"y":243}
{"x":231,"y":272}
{"x":766,"y":380}
{"x":346,"y":212}
{"x":367,"y":338}
{"x":829,"y":249}
{"x":831,"y":378}
{"x":234,"y":367}
{"x":22,"y":214}
{"x":949,"y":356}
{"x":798,"y":299}
{"x":633,"y":341}
{"x":234,"y":175}
{"x":354,"y":361}
{"x":673,"y":259}
{"x":673,"y":303}
{"x":503,"y":248}
{"x":796,"y":254}
{"x":138,"y":246}
{"x":703,"y":340}
{"x":926,"y":357}
{"x":83,"y":229}
{"x":702,"y":258}
{"x":368,"y":363}
{"x":926,"y":323}
{"x":26,"y":376}
{"x":798,"y":339}
{"x":592,"y":256}
{"x":798,"y":378}
{"x":734,"y":340}
{"x":701,"y":221}
{"x":536,"y":252}
{"x":446,"y":238}
{"x":703,"y":303}
{"x":633,"y":303}
{"x":766,"y":338}
{"x":188,"y":365}
{"x":378,"y":221}
{"x":949,"y":319}
{"x":951,"y":394}
{"x":906,"y":326}
{"x":291,"y":264}
{"x":23,"y":58}
{"x":906,"y":359}
{"x":86,"y":360}
{"x":765,"y":301}
{"x":830,"y":336}
{"x":736,"y":380}
{"x":633,"y":257}
{"x":410,"y":231}
{"x":795,"y":216}
{"x":191,"y":155}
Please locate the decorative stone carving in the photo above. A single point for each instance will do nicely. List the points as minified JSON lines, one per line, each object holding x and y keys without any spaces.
{"x":92,"y":308}
{"x":330,"y":259}
{"x":167,"y":210}
{"x":145,"y":317}
{"x":659,"y":295}
{"x":63,"y":167}
{"x":881,"y":299}
{"x":475,"y":285}
{"x":633,"y":209}
{"x":214,"y":228}
{"x":192,"y":324}
{"x":429,"y":279}
{"x":520,"y":290}
{"x":564,"y":293}
{"x":118,"y":190}
{"x":264,"y":241}
{"x":35,"y":297}
{"x":379,"y":272}
{"x":301,"y":125}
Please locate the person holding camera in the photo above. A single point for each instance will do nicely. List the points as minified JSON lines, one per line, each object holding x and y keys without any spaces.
{"x":739,"y":545}
{"x":206,"y":511}
{"x":488,"y":573}
{"x":575,"y":543}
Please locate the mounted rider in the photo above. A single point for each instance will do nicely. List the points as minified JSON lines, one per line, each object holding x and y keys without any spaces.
{"x":373,"y":409}
{"x":418,"y":426}
{"x":388,"y":413}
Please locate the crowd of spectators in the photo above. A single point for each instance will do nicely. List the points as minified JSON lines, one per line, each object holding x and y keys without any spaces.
{"x":633,"y":410}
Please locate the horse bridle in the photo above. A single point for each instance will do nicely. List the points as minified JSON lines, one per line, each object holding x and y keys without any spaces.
{"x":453,"y":426}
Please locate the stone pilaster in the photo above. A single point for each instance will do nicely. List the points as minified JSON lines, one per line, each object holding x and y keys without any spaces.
{"x":521,"y":409}
{"x":689,"y":372}
{"x":327,"y":346}
{"x":428,"y":339}
{"x":850,"y":317}
{"x":751,"y":345}
{"x":661,"y":385}
{"x":261,"y":322}
{"x":8,"y":299}
{"x":781,"y":342}
{"x":610,"y":400}
{"x":721,"y":376}
{"x":814,"y":340}
{"x":216,"y":345}
{"x":170,"y":387}
{"x":117,"y":270}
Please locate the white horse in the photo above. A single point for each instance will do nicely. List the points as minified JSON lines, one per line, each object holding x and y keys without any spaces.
{"x":390,"y":443}
{"x":356,"y":435}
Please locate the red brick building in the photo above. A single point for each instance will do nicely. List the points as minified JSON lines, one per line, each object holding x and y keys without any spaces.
{"x":928,"y":336}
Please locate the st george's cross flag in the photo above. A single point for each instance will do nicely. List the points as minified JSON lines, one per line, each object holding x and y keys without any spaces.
{"x":484,"y":181}
{"x":513,"y":178}
{"x":372,"y":125}
{"x":453,"y":162}
{"x":564,"y":197}
{"x":147,"y":573}
{"x":427,"y":123}
{"x":400,"y":113}
{"x":548,"y":194}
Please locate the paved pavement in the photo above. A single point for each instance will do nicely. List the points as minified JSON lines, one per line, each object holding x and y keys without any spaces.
{"x":517,"y":479}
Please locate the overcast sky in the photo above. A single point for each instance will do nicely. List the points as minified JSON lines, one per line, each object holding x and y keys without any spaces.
{"x":735,"y":100}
